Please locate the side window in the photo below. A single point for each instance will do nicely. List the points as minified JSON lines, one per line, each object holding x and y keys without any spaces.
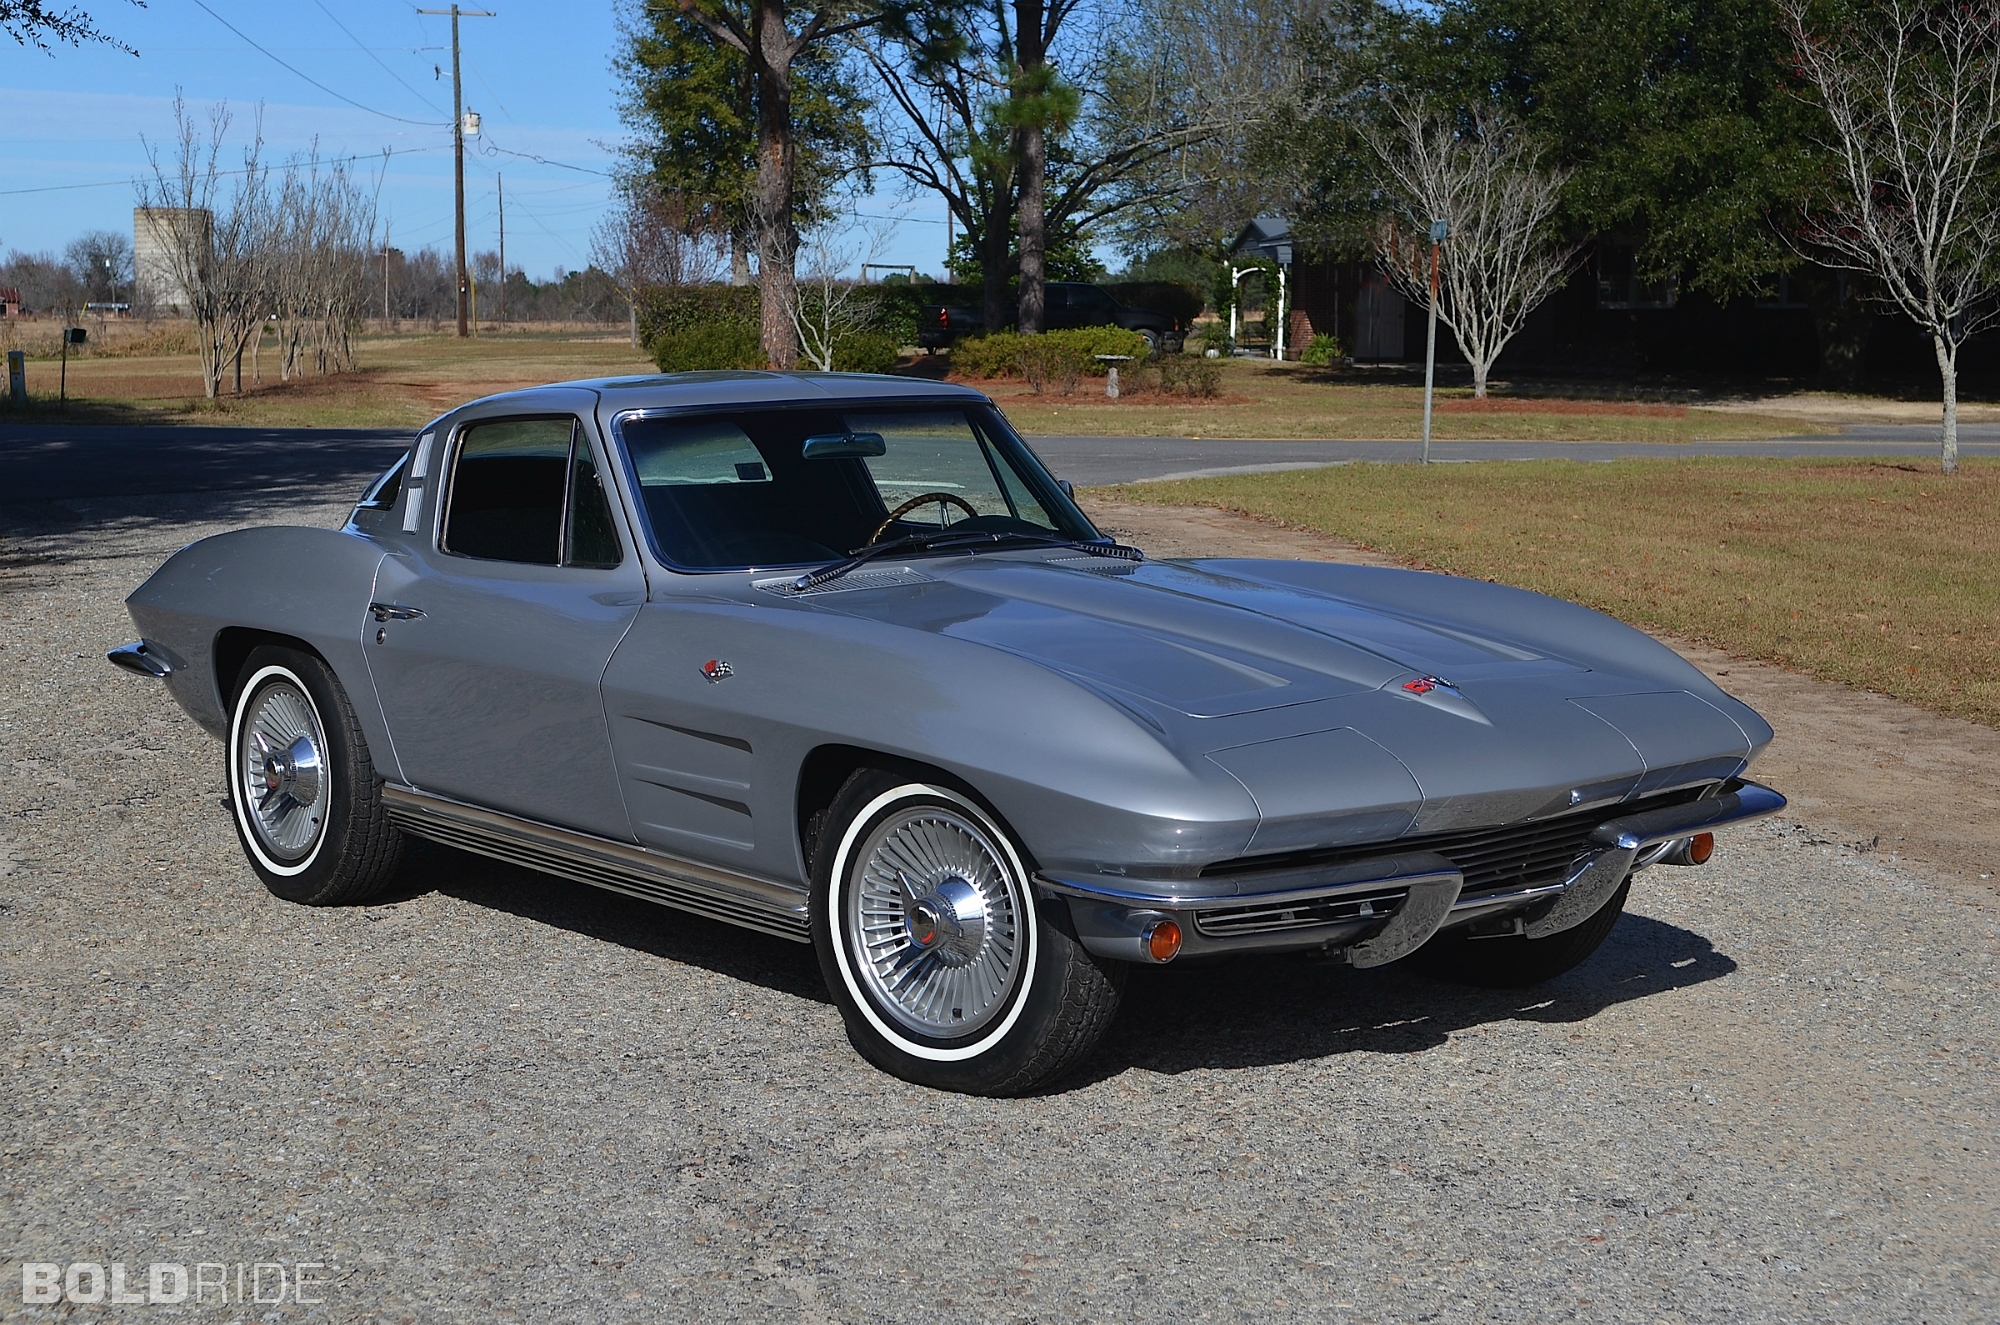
{"x":527,"y":490}
{"x":506,"y":491}
{"x":590,"y":536}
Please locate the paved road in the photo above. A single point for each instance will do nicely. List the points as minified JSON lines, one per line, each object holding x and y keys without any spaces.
{"x":54,"y":462}
{"x":495,"y":1095}
{"x":1093,"y":460}
{"x":45,"y":462}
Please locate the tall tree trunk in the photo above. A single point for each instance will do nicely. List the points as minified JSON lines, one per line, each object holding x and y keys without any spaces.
{"x":1947,"y":358}
{"x":777,"y":237}
{"x":1032,"y":144}
{"x":1033,"y":223}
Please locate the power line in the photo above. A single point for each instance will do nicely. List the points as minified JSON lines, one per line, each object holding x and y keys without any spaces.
{"x":376,"y":58}
{"x":121,"y":183}
{"x":400,"y":119}
{"x":488,"y":146}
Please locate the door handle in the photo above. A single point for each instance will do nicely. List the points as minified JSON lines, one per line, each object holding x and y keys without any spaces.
{"x":395,"y":612}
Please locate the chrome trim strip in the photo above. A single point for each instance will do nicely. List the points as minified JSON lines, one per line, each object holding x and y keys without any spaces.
{"x":1470,"y":906}
{"x":1386,"y":871}
{"x":706,"y":890}
{"x":1739,"y":804}
{"x":142,"y":658}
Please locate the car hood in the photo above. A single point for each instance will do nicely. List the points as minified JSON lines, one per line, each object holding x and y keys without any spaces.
{"x":1179,"y":637}
{"x":1322,"y":702}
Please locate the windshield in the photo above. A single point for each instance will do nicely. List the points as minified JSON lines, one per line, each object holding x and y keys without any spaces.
{"x":792,"y":487}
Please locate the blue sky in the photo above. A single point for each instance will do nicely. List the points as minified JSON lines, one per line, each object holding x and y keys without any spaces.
{"x":539,"y":74}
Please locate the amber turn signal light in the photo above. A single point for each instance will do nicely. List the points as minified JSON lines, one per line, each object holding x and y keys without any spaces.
{"x":1700,"y":847}
{"x":1163,"y":940}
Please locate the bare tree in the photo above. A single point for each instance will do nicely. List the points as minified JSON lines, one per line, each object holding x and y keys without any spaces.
{"x":316,"y":257}
{"x":1483,"y":176}
{"x":1912,"y":102}
{"x":213,"y":252}
{"x":826,"y":307}
{"x":649,"y":242}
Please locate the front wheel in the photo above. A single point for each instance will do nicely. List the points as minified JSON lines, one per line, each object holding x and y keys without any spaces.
{"x":948,"y":970}
{"x":302,"y":788}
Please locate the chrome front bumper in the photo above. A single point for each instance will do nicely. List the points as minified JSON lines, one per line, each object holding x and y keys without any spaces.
{"x":1377,"y":910}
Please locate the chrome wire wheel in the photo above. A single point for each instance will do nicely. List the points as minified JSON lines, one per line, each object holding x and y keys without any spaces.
{"x":281,"y":770}
{"x":934,"y":922}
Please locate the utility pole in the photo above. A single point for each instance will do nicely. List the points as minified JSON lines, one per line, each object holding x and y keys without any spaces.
{"x":458,"y":153}
{"x":500,"y":187}
{"x":1438,"y":231}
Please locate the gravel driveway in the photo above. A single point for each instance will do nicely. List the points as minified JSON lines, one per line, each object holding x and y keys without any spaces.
{"x":497,"y":1095}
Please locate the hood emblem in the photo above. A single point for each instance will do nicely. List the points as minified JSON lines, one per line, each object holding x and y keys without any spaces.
{"x":715,"y":669}
{"x":1423,"y":685}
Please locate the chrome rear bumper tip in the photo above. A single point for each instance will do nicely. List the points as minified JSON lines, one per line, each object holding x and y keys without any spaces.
{"x":144,"y":659}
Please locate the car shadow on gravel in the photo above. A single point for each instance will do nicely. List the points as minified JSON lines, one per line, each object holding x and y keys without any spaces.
{"x":740,"y":954}
{"x":1250,"y":1012}
{"x":1285,"y":1010}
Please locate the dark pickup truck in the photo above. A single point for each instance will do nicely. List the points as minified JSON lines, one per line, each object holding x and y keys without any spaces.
{"x":1068,"y":304}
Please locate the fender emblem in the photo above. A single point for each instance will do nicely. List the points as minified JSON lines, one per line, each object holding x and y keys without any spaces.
{"x":715,"y":669}
{"x":1423,"y":685}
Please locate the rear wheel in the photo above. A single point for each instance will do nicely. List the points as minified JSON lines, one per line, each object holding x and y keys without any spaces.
{"x":302,"y":788}
{"x":1513,"y":961}
{"x":948,"y":970}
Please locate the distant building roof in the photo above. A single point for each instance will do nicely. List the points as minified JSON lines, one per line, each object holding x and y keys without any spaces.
{"x":9,"y":296}
{"x":1268,"y":237}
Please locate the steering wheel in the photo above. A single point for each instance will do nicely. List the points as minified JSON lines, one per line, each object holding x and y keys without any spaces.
{"x":921,"y":499}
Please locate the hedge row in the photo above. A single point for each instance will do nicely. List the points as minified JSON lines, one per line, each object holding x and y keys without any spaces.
{"x":686,"y":328}
{"x":1058,"y":357}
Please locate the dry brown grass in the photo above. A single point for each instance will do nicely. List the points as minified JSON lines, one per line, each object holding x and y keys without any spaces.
{"x":1882,"y":575}
{"x":407,"y":378}
{"x":401,"y":381}
{"x":1264,"y":399}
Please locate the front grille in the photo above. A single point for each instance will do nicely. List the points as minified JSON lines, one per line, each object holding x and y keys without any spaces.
{"x":1493,"y":860}
{"x":1268,"y":919}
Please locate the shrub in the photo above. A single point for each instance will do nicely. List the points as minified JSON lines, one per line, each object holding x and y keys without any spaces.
{"x":690,"y":328}
{"x":997,"y":355}
{"x":694,"y":307}
{"x":1190,"y":375}
{"x":866,"y":352}
{"x":1062,"y":357}
{"x":718,"y":345}
{"x":1323,"y":349}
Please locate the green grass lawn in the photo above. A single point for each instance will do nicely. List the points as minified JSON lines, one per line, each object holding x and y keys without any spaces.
{"x":1884,"y":575}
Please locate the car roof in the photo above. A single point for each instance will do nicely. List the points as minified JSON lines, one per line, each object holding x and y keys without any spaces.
{"x":680,"y":390}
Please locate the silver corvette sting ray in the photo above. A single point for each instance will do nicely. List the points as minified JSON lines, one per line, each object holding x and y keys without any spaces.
{"x":836,"y":658}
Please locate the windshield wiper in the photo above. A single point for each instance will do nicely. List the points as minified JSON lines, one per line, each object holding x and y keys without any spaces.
{"x":946,"y":539}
